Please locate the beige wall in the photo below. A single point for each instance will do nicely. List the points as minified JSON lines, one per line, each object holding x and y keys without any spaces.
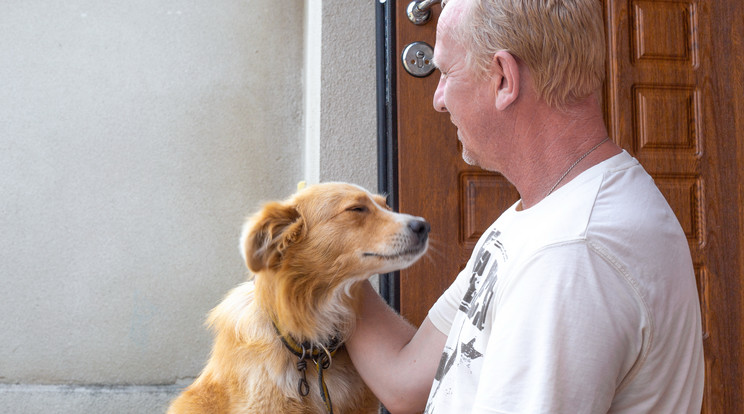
{"x":134,"y":138}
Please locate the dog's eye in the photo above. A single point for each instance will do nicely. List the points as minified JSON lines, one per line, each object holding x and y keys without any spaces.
{"x":358,"y":209}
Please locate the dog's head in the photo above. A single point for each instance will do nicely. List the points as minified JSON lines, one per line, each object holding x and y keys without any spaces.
{"x":336,"y":229}
{"x":309,"y":252}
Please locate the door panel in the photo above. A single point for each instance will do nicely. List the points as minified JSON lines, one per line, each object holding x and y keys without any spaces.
{"x":674,"y":83}
{"x":673,"y":98}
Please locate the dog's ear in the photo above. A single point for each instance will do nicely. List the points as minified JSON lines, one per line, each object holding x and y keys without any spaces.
{"x":269,"y":233}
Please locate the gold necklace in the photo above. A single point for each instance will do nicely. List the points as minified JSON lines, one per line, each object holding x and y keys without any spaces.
{"x":575,"y":164}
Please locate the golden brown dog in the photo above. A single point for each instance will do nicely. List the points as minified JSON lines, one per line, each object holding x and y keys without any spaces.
{"x":278,"y":337}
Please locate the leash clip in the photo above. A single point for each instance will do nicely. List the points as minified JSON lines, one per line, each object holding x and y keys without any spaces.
{"x":323,"y":360}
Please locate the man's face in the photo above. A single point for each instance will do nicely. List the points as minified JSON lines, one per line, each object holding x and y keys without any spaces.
{"x":468,"y":99}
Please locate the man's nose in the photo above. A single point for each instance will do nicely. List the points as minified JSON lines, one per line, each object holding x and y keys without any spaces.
{"x":438,"y":102}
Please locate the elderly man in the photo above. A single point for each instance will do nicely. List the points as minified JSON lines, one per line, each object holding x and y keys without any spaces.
{"x":581,"y":297}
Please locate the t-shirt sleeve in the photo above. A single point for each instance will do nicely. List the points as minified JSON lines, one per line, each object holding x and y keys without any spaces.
{"x":565,"y":336}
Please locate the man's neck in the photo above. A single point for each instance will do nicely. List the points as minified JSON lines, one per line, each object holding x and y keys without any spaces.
{"x":554,"y":146}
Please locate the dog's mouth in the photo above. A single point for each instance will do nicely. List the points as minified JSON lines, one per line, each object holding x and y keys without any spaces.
{"x":398,"y":255}
{"x":403,"y":248}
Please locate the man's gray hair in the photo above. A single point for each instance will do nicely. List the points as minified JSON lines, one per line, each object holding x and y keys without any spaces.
{"x":562,"y":42}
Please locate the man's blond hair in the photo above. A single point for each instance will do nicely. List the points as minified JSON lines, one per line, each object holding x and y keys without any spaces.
{"x":562,"y":42}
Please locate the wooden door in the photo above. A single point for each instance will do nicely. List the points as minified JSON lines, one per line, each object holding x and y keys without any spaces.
{"x":673,"y":98}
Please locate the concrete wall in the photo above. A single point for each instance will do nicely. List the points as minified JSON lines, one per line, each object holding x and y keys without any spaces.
{"x":134,"y":138}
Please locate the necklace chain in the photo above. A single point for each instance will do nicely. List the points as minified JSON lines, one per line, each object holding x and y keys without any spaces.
{"x":575,"y":164}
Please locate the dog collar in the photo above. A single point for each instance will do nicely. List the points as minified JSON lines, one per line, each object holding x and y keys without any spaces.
{"x":308,"y":350}
{"x":320,"y":355}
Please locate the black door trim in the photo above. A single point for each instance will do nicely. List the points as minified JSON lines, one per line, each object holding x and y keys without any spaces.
{"x":387,"y":141}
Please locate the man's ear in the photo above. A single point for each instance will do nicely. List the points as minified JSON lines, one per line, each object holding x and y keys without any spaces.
{"x":505,"y":74}
{"x":268,"y":234}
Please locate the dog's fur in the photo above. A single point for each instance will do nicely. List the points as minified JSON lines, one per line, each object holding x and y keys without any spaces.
{"x":308,"y":255}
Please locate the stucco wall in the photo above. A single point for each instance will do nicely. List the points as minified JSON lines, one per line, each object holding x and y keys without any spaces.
{"x":134,"y":138}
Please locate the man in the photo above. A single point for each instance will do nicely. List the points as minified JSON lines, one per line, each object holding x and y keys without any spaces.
{"x":581,"y":297}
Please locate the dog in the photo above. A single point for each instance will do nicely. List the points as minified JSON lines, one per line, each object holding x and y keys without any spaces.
{"x":278,"y":344}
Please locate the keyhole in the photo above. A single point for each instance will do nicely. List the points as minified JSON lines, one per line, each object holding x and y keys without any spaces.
{"x":420,"y":59}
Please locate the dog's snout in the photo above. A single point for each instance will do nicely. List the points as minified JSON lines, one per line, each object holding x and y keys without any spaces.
{"x":420,"y":228}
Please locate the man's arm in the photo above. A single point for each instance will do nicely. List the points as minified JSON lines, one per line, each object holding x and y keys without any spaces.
{"x":394,"y":359}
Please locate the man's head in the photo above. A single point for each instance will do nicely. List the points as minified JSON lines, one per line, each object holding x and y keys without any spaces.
{"x":481,"y":107}
{"x":561,"y":42}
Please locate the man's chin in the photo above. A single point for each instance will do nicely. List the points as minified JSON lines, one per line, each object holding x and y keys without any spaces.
{"x":468,"y":158}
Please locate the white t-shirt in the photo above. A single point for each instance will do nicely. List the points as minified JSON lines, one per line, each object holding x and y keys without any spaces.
{"x":583,"y":303}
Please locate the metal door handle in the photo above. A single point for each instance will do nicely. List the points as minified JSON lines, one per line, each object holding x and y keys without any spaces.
{"x":418,"y":11}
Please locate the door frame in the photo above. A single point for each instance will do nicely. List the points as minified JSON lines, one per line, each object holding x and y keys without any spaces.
{"x":387,"y":133}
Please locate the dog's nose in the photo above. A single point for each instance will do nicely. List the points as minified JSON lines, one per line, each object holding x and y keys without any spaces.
{"x":420,"y":228}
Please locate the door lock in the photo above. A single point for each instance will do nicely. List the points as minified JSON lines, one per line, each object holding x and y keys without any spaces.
{"x":417,"y":59}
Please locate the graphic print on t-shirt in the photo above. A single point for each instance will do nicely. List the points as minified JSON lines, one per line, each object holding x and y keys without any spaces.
{"x":478,"y":298}
{"x":474,"y":305}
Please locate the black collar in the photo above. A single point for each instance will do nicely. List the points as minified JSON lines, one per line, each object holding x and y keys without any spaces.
{"x":308,"y":350}
{"x":320,"y":354}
